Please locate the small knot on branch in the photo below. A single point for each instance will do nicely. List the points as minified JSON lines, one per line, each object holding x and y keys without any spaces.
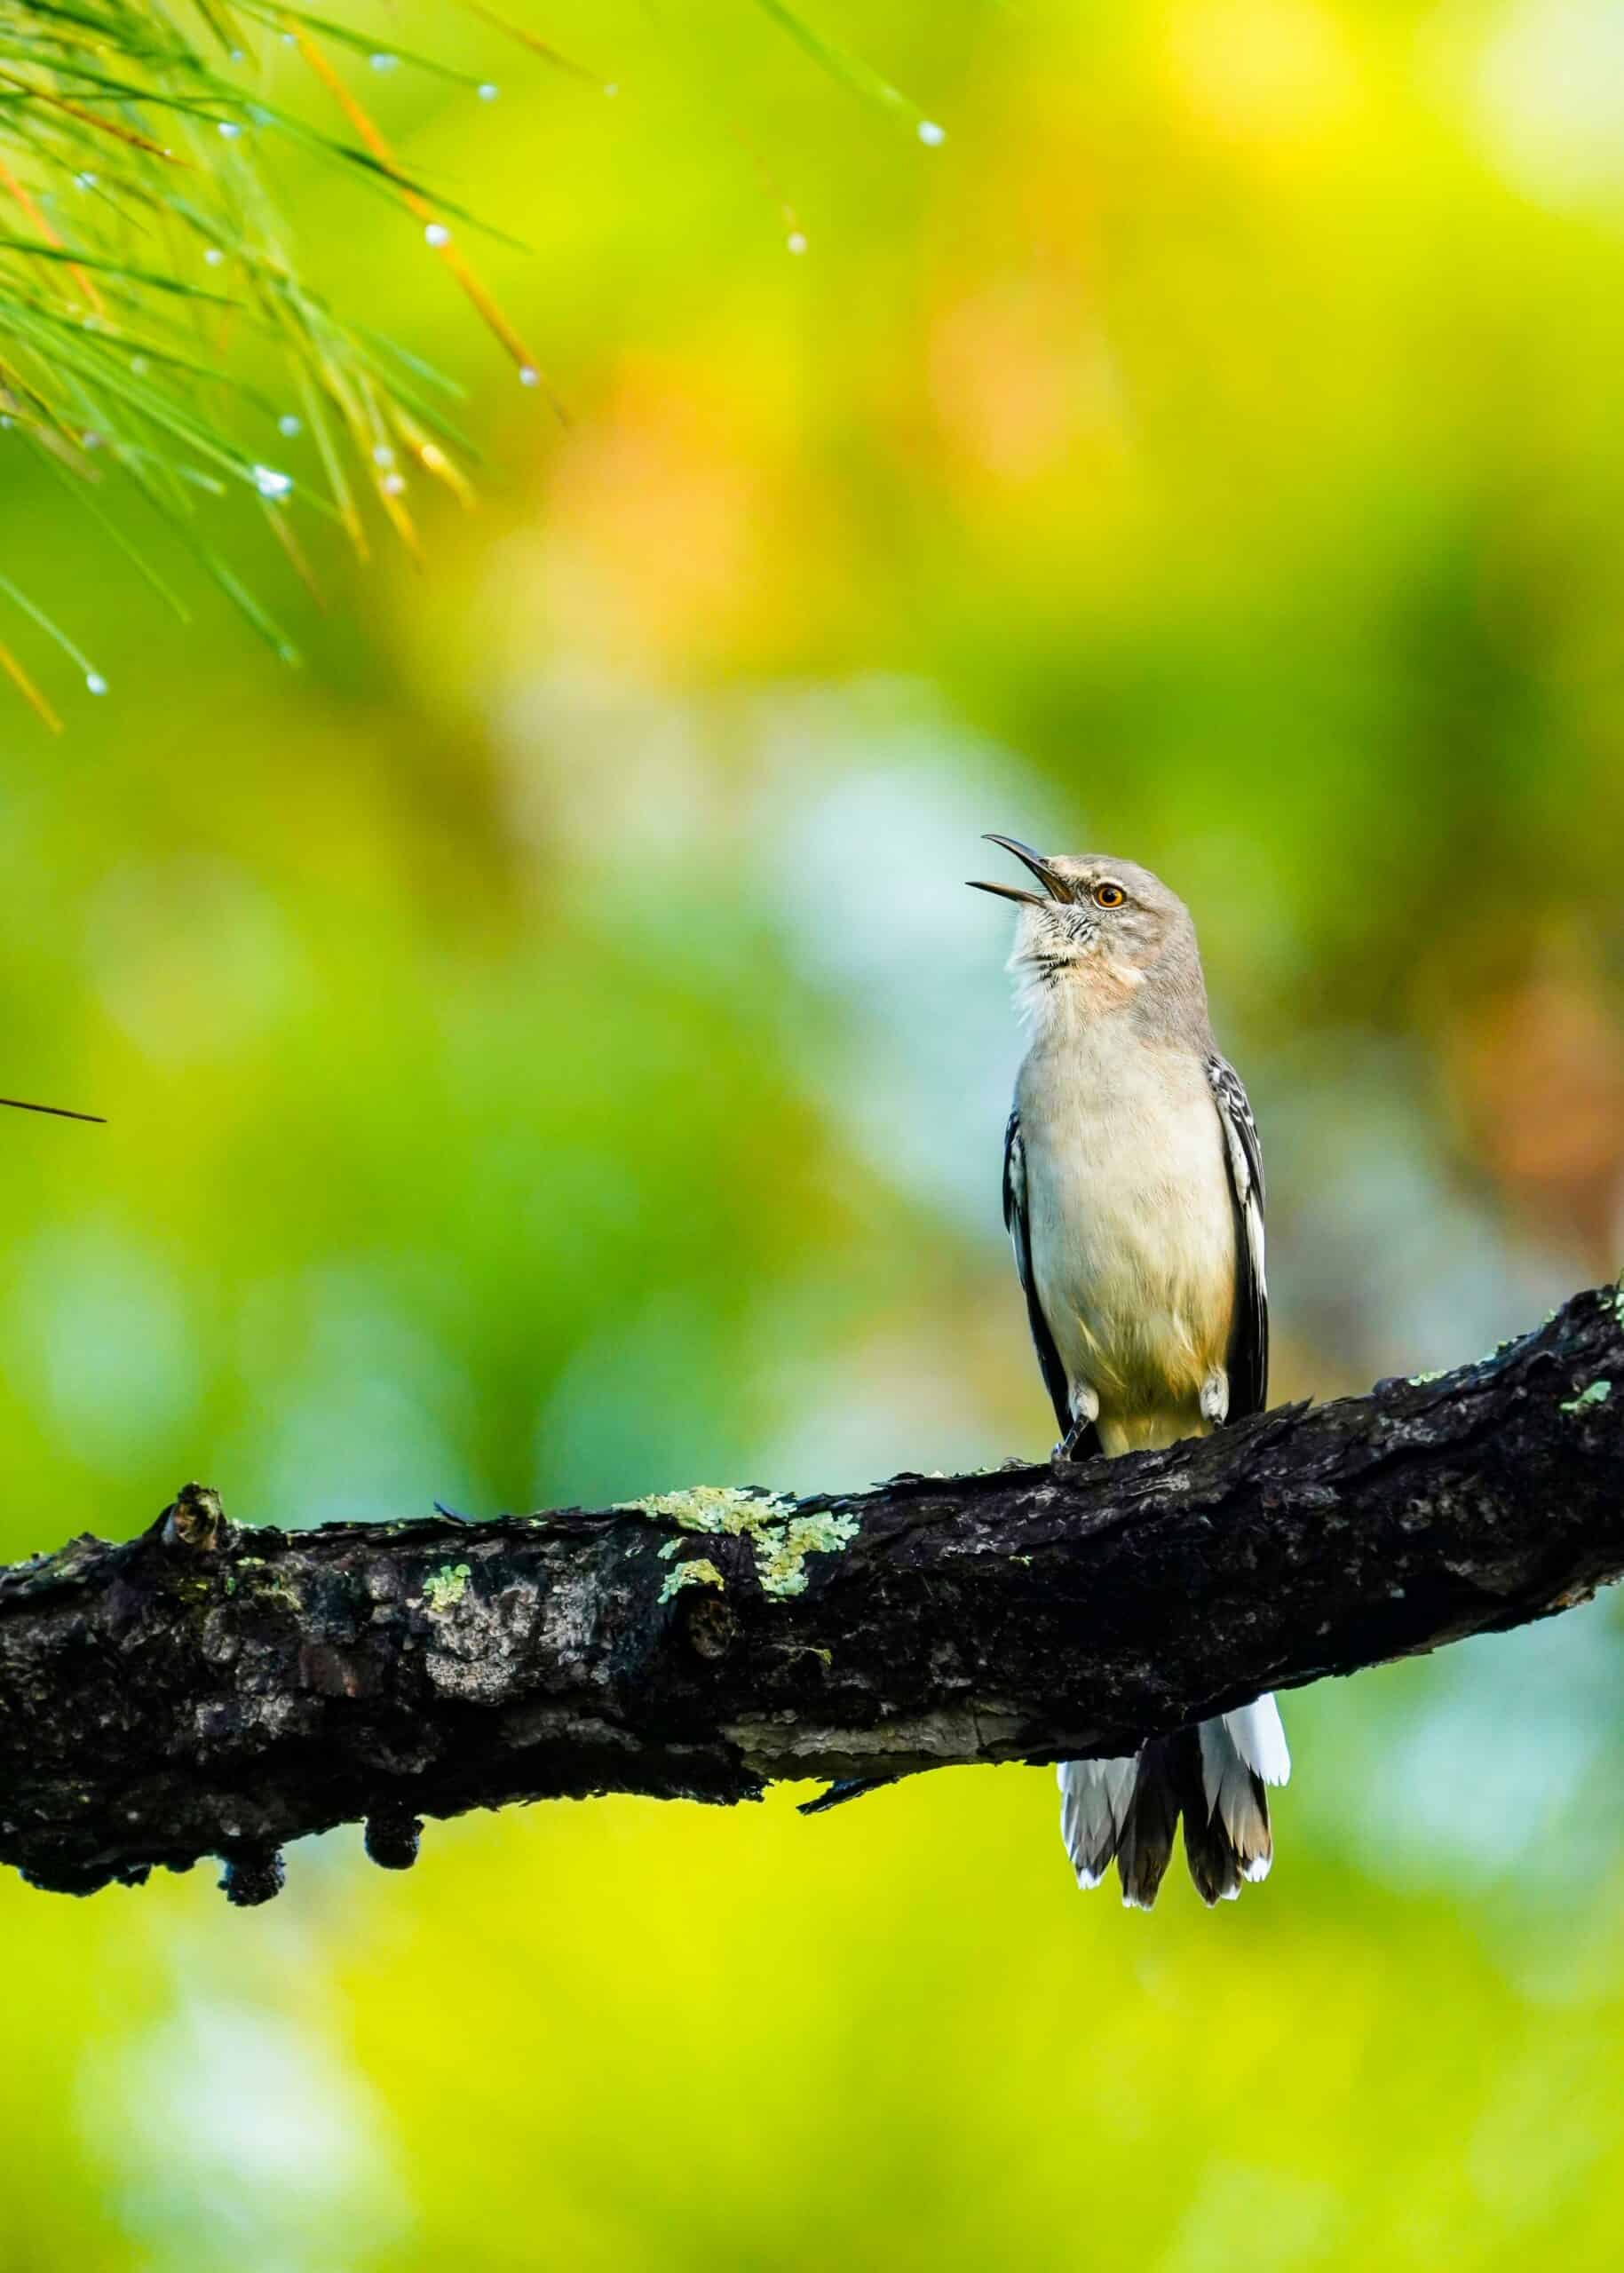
{"x":253,"y":1874}
{"x":392,"y":1838}
{"x":196,"y":1521}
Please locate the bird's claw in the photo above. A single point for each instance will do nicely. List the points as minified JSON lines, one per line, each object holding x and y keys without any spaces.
{"x":1075,"y":1444}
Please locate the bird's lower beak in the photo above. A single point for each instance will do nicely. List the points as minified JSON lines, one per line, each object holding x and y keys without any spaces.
{"x":1008,"y":891}
{"x":1054,"y":885}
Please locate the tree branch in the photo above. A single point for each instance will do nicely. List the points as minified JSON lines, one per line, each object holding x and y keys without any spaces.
{"x":210,"y":1689}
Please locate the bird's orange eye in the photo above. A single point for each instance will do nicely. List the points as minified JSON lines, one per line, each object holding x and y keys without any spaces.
{"x":1109,"y":895}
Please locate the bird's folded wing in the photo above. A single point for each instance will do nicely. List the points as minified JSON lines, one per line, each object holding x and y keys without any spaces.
{"x":1248,"y":1356}
{"x":1016,"y":1224}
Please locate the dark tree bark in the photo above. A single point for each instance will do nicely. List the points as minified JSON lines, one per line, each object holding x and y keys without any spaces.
{"x":205,"y":1689}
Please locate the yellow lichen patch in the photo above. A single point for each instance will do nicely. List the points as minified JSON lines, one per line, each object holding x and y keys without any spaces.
{"x":700,"y":1570}
{"x":782,"y":1549}
{"x":711,"y":1507}
{"x":781,"y":1539}
{"x":445,"y":1586}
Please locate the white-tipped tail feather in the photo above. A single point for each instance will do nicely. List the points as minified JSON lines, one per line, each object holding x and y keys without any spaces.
{"x":1128,"y":1809}
{"x":1259,"y":1736}
{"x":1094,"y":1800}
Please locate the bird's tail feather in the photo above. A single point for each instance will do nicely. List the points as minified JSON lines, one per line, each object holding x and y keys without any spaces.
{"x":1146,"y":1844}
{"x":1214,"y":1776}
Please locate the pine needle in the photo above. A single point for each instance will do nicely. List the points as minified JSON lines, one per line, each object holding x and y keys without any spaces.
{"x":26,"y":687}
{"x":848,"y":69}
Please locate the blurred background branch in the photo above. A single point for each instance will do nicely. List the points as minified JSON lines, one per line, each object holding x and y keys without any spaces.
{"x":206,"y":1690}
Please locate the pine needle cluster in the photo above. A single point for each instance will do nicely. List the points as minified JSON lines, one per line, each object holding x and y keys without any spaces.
{"x":149,"y":282}
{"x":160,"y":331}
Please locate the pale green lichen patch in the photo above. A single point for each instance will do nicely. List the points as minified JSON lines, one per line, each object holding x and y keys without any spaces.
{"x":445,"y":1586}
{"x":781,"y":1539}
{"x":710,"y":1507}
{"x":699,"y":1571}
{"x":782,"y":1549}
{"x":1420,"y":1381}
{"x":1598,"y":1393}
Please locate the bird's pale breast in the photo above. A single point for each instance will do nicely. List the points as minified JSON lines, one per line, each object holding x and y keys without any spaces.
{"x":1133,"y":1237}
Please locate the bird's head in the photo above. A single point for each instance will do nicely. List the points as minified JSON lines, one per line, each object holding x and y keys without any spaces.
{"x":1098,"y":926}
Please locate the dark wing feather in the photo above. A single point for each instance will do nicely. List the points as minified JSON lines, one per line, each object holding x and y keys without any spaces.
{"x":1248,"y":1349}
{"x":1020,"y":1239}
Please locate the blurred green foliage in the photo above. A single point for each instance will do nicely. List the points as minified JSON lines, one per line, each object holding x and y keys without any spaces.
{"x":550,"y":1057}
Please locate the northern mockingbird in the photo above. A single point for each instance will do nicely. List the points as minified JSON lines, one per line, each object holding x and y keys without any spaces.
{"x":1133,"y":1194}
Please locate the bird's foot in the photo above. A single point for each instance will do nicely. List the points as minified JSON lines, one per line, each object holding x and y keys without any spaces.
{"x":1081,"y":1439}
{"x":1080,"y":1442}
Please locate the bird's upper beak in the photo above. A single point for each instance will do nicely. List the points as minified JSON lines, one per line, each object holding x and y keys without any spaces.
{"x":1055,"y":886}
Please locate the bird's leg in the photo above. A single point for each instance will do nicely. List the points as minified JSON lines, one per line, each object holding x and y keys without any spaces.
{"x":1085,"y":1412}
{"x":1215,"y":1398}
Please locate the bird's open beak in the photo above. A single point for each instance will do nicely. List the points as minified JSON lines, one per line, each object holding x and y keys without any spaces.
{"x":1055,"y":886}
{"x":61,"y":1111}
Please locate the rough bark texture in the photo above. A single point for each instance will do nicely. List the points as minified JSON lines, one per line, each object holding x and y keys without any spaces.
{"x":210,"y":1689}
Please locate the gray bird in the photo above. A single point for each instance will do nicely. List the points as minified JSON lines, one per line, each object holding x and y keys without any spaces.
{"x":1133,"y":1194}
